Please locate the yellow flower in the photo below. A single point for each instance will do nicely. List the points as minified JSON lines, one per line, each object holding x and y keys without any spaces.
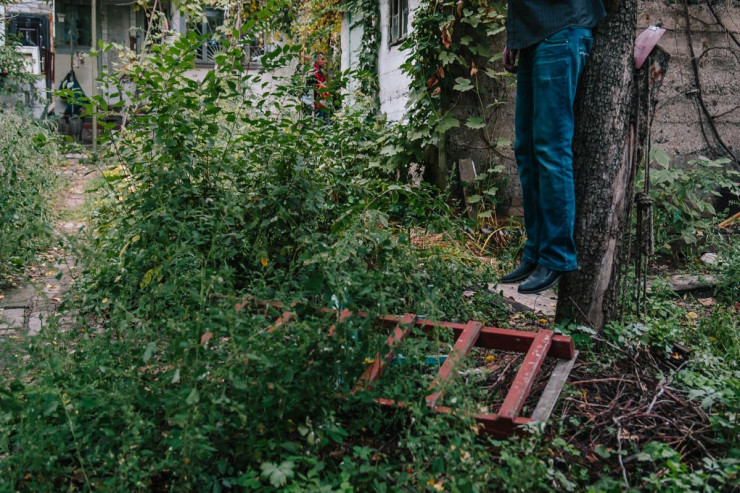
{"x":490,"y":358}
{"x":263,"y":261}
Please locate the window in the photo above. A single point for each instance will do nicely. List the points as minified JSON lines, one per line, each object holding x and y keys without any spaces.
{"x":253,"y":46}
{"x":212,"y":19}
{"x":399,"y":19}
{"x":73,"y":25}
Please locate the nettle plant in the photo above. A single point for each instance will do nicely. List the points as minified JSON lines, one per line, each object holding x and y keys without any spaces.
{"x":682,"y":198}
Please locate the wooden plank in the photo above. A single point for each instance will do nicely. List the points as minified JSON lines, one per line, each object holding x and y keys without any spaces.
{"x":552,"y":391}
{"x":526,"y":375}
{"x":520,"y":341}
{"x":380,"y":362}
{"x":343,"y":315}
{"x":463,"y":345}
{"x":495,"y":425}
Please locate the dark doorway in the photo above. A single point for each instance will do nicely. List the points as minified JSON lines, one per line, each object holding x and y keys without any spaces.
{"x":33,"y":30}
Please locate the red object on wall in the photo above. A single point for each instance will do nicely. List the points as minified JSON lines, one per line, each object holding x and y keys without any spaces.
{"x":645,"y":43}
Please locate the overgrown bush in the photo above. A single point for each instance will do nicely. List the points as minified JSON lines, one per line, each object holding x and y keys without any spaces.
{"x":29,"y":153}
{"x":682,"y":199}
{"x":212,"y":198}
{"x":14,"y":75}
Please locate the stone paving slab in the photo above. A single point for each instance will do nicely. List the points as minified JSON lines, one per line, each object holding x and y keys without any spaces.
{"x":35,"y":323}
{"x":543,"y":302}
{"x":12,"y":318}
{"x":19,"y":297}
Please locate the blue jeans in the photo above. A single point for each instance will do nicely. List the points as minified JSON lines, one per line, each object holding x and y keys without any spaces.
{"x":547,"y":78}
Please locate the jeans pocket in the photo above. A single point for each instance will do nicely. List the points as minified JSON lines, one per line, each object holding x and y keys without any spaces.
{"x":559,"y":38}
{"x":585,"y":44}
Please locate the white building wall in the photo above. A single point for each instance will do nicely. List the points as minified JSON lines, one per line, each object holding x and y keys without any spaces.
{"x":394,"y":84}
{"x":31,"y":7}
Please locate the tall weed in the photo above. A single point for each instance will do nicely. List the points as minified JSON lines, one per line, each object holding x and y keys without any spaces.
{"x":29,"y":154}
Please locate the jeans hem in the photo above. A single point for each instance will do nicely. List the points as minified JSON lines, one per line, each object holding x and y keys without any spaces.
{"x":558,"y":267}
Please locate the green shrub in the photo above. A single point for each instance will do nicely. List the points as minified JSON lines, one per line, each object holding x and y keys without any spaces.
{"x":213,"y":197}
{"x":29,"y":154}
{"x":682,"y":198}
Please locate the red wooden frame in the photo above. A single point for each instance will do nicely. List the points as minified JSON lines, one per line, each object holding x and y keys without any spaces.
{"x":537,"y":346}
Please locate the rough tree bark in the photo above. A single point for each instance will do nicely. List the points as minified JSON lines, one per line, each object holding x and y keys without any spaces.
{"x":463,"y":142}
{"x":604,"y":152}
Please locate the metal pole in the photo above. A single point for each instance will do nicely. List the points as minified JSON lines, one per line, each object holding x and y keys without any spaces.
{"x":94,"y":73}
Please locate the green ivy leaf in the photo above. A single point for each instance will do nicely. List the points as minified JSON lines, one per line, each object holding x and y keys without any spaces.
{"x":475,"y":122}
{"x":462,"y":84}
{"x":446,"y":123}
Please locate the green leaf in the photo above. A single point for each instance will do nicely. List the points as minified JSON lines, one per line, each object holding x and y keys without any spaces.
{"x":602,"y":451}
{"x":474,"y":199}
{"x":475,"y":122}
{"x":660,"y":157}
{"x":446,"y":123}
{"x":193,"y":397}
{"x":390,"y":150}
{"x":462,"y":84}
{"x":494,"y":32}
{"x":277,"y":475}
{"x":447,"y":57}
{"x":149,"y":351}
{"x":503,"y":142}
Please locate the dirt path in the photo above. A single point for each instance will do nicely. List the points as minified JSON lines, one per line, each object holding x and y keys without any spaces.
{"x":25,"y":308}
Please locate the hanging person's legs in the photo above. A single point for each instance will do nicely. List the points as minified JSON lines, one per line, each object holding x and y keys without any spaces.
{"x":528,"y":172}
{"x":548,"y":73}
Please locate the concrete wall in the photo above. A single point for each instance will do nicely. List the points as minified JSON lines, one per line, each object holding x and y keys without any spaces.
{"x":677,"y":128}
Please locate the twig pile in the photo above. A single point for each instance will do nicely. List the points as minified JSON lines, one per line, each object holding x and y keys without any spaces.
{"x":631,"y":403}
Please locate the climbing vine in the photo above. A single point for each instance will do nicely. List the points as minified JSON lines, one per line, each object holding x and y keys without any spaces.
{"x":450,"y":51}
{"x":368,"y":12}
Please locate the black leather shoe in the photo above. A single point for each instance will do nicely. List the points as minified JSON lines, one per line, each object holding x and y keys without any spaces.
{"x":541,"y":279}
{"x":520,"y":273}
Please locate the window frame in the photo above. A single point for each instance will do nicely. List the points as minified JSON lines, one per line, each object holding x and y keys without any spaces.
{"x":206,"y":53}
{"x":398,"y":25}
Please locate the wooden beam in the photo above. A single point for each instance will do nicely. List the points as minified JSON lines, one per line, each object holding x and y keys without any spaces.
{"x":381,"y":361}
{"x":463,"y":345}
{"x":525,"y":377}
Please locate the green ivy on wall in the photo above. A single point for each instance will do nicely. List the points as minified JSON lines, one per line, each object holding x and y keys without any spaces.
{"x":449,"y":38}
{"x":368,"y":12}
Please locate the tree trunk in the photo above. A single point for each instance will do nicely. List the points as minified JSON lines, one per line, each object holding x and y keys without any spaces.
{"x":479,"y":145}
{"x":605,"y":152}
